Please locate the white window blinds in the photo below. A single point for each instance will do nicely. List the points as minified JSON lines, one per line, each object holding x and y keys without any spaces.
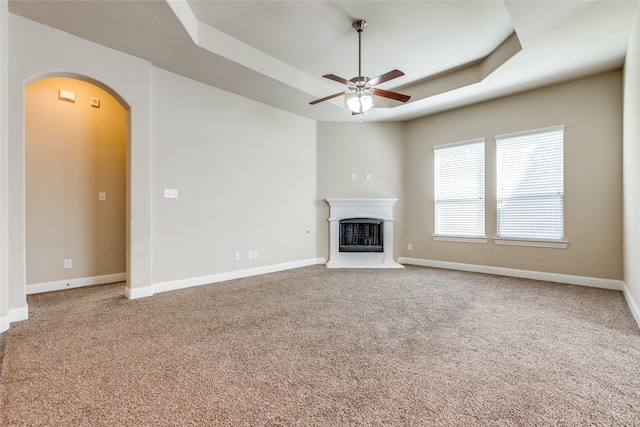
{"x":530,"y":178}
{"x":459,"y":189}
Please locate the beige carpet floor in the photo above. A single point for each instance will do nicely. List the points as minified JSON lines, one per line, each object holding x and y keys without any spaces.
{"x":318,"y":347}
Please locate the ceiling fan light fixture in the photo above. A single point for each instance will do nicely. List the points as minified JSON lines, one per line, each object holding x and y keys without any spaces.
{"x":359,"y":103}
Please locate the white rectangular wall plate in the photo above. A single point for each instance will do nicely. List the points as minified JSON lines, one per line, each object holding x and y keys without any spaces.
{"x":170,"y":193}
{"x":66,"y":95}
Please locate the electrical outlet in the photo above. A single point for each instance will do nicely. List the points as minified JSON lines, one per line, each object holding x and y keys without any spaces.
{"x":410,"y":246}
{"x":237,"y":256}
{"x":68,"y":263}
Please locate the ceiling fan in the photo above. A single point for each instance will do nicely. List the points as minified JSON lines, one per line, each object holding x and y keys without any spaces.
{"x":359,"y":89}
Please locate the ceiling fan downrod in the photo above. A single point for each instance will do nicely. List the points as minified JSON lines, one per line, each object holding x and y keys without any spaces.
{"x":359,"y":26}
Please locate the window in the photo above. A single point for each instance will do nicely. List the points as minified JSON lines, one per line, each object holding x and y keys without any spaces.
{"x":530,"y":190}
{"x":459,"y":190}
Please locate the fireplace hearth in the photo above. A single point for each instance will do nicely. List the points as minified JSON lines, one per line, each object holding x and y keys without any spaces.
{"x":361,"y":233}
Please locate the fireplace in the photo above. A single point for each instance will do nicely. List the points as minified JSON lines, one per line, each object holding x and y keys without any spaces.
{"x":361,"y":233}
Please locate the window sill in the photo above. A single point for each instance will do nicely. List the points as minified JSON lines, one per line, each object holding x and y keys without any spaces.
{"x":460,"y":239}
{"x":558,"y":244}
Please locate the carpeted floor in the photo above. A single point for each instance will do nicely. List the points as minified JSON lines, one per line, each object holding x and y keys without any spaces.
{"x":319,"y":347}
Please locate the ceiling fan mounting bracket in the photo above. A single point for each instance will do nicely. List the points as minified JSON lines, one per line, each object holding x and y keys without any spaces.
{"x":359,"y":25}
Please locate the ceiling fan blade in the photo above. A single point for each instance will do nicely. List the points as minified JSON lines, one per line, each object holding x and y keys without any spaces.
{"x":385,"y":77}
{"x":326,"y":98}
{"x":391,"y":95}
{"x":339,"y":79}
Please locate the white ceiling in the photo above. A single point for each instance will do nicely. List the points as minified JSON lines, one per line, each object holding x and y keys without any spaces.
{"x":277,"y":51}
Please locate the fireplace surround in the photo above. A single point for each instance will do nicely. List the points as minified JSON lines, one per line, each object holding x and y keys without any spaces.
{"x":364,"y":247}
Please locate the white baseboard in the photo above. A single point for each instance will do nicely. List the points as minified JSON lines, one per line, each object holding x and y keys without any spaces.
{"x":22,"y":313}
{"x":140,"y":292}
{"x":58,"y":285}
{"x":14,"y":315}
{"x":594,"y":282}
{"x":133,"y":293}
{"x":635,"y":310}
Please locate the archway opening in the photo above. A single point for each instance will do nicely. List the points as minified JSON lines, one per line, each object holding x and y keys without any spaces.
{"x":76,"y":135}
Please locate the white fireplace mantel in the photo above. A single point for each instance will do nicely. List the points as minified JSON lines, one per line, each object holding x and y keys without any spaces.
{"x":361,"y":208}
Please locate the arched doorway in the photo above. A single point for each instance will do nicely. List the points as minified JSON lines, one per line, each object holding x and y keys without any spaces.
{"x":76,"y":136}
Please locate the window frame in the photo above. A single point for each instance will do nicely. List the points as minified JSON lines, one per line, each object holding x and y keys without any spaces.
{"x":530,"y":241}
{"x":454,"y":237}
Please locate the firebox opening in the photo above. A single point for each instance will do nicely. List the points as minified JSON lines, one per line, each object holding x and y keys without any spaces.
{"x":361,"y":235}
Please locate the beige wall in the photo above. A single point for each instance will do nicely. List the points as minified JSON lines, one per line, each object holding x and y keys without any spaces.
{"x":72,"y":152}
{"x":632,"y":165}
{"x":591,"y":109}
{"x":246,"y":172}
{"x":38,"y":51}
{"x":360,"y":148}
{"x":246,"y":180}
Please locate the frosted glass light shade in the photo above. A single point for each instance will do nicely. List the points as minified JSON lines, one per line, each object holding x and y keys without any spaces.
{"x":359,"y":103}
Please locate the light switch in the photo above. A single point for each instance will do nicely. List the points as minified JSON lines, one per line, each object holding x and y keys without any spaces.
{"x":368,"y":177}
{"x":170,"y":193}
{"x":354,"y":176}
{"x":102,"y":196}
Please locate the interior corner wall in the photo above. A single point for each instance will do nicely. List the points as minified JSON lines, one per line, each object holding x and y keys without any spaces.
{"x":631,"y":165}
{"x":245,"y":174}
{"x":346,"y":148}
{"x":37,"y":51}
{"x":591,"y":110}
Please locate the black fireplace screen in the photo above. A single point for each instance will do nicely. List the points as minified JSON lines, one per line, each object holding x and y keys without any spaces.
{"x":361,"y":235}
